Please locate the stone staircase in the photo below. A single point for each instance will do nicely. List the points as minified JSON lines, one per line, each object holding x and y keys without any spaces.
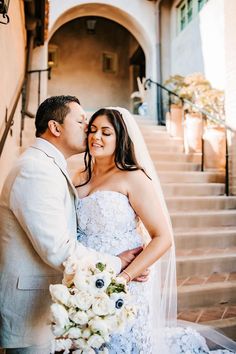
{"x":204,"y":222}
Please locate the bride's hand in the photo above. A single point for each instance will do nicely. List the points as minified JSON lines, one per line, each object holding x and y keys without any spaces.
{"x":128,"y":256}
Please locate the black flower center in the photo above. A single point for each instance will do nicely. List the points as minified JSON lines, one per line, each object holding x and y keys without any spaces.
{"x":119,"y":303}
{"x":99,"y":283}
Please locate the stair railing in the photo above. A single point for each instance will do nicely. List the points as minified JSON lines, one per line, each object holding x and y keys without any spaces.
{"x":205,"y":114}
{"x":9,"y":120}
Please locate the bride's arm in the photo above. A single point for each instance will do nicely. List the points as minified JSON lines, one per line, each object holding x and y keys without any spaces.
{"x":148,"y":206}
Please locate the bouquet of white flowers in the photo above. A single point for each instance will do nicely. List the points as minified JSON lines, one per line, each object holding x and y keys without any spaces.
{"x":91,"y":304}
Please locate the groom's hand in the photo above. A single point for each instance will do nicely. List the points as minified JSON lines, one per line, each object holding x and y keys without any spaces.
{"x":127,"y":257}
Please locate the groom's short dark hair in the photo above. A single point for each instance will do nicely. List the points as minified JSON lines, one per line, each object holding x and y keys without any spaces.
{"x":53,"y":108}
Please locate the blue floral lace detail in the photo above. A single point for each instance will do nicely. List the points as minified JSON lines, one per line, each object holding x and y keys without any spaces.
{"x":107,"y":223}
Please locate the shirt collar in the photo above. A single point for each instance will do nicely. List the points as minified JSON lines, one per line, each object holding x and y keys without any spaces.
{"x":51,"y":150}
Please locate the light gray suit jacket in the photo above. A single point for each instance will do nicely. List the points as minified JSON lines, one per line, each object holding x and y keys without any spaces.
{"x":38,"y":231}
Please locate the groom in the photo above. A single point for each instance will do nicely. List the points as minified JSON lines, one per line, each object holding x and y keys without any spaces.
{"x":38,"y":227}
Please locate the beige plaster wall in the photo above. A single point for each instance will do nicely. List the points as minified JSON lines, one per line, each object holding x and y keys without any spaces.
{"x":12,"y":62}
{"x":79,"y":70}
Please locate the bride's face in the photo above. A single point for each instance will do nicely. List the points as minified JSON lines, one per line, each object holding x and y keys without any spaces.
{"x":102,"y":138}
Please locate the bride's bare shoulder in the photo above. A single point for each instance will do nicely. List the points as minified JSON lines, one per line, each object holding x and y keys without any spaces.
{"x":136,"y":178}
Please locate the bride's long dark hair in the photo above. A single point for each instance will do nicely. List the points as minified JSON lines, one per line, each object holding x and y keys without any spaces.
{"x":124,"y":153}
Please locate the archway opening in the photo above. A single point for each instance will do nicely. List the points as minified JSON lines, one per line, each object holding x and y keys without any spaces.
{"x":97,"y":60}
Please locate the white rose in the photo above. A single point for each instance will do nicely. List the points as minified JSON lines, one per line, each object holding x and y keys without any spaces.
{"x":62,"y":344}
{"x":111,"y":322}
{"x":102,"y":305}
{"x":79,"y":317}
{"x":98,"y":324}
{"x":90,"y":314}
{"x":60,"y":315}
{"x":115,"y":323}
{"x":81,"y":344}
{"x":95,"y":341}
{"x":74,"y":333}
{"x":86,"y":263}
{"x":82,"y":299}
{"x":58,"y":330}
{"x":86,"y":333}
{"x":81,"y":281}
{"x":60,"y":293}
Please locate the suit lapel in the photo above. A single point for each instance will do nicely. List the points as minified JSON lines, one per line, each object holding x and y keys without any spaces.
{"x":65,"y":173}
{"x":58,"y":161}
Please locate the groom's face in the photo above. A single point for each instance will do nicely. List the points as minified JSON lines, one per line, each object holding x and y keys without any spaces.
{"x":74,"y":129}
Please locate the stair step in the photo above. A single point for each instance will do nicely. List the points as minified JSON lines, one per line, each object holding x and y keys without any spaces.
{"x":205,"y":291}
{"x":191,"y":189}
{"x":161,"y":139}
{"x":175,"y":157}
{"x":215,"y":237}
{"x":222,"y":318}
{"x":165,"y":148}
{"x":213,"y":218}
{"x":191,"y":177}
{"x":148,"y":131}
{"x":200,"y":203}
{"x":200,"y":262}
{"x":177,"y":166}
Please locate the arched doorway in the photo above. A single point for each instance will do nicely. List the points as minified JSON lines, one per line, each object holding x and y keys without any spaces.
{"x":97,"y":60}
{"x":138,"y":19}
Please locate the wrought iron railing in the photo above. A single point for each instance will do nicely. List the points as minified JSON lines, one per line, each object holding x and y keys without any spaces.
{"x":9,"y":120}
{"x":205,"y":115}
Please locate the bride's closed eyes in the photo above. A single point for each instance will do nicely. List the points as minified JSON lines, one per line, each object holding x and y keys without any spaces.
{"x":105,"y":131}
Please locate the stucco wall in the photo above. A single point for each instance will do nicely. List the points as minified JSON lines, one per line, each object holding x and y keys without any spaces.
{"x":80,"y":71}
{"x":200,"y":46}
{"x":12,"y":61}
{"x":230,"y":88}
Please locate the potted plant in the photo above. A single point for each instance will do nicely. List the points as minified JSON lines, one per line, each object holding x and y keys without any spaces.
{"x":174,"y":115}
{"x":214,"y":134}
{"x":195,"y":86}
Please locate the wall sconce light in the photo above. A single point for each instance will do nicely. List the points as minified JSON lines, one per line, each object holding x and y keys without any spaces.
{"x":4,"y":4}
{"x":90,"y":25}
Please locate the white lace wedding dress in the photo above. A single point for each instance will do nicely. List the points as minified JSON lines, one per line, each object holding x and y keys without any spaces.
{"x":107,"y":223}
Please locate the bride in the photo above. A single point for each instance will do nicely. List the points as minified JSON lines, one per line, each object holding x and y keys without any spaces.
{"x":122,"y":207}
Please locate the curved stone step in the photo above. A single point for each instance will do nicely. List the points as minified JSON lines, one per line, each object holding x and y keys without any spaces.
{"x":214,"y":237}
{"x":219,"y":261}
{"x":165,"y":148}
{"x":191,"y":189}
{"x":202,"y":219}
{"x":201,"y":203}
{"x":191,"y":177}
{"x":206,"y":294}
{"x":175,"y":157}
{"x":220,"y":317}
{"x":176,"y":166}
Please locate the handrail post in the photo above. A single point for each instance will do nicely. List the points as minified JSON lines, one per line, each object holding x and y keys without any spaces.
{"x":226,"y":164}
{"x":203,"y":146}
